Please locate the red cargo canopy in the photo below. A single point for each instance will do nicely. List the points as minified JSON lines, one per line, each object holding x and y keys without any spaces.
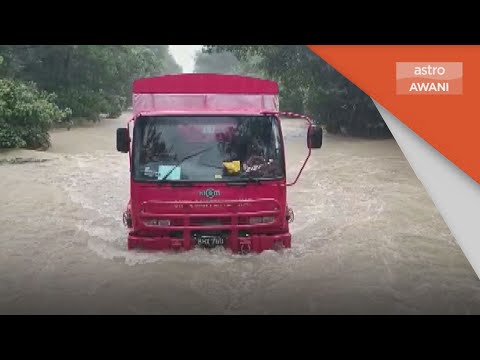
{"x":204,"y":84}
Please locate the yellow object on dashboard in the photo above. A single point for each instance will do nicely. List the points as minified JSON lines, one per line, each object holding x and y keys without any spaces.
{"x":232,"y":167}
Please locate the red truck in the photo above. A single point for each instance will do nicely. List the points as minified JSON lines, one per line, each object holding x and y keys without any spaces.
{"x":207,"y":164}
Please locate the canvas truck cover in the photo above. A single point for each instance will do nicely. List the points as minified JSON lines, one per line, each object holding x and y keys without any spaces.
{"x":204,"y":93}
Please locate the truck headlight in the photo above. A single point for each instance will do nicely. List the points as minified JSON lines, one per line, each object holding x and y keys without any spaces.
{"x":261,"y":220}
{"x":157,"y":222}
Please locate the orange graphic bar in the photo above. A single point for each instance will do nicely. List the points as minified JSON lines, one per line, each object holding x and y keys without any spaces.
{"x":434,"y":90}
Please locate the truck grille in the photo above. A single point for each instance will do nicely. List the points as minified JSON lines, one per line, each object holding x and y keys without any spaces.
{"x":210,"y":221}
{"x":234,"y":214}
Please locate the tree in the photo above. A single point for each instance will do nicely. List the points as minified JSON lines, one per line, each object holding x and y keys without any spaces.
{"x":26,"y":115}
{"x":89,"y":80}
{"x":170,"y":66}
{"x":308,"y":84}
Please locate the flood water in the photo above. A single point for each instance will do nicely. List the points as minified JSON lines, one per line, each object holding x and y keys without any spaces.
{"x":367,"y":239}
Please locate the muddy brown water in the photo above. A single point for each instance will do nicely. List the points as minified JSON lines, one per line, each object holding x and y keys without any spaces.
{"x":367,"y":239}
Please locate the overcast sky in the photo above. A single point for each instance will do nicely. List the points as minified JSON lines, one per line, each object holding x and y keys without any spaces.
{"x":184,"y":55}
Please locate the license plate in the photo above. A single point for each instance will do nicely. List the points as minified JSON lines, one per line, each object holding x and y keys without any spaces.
{"x":210,"y":241}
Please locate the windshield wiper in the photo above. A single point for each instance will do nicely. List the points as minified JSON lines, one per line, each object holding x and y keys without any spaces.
{"x":185,"y":159}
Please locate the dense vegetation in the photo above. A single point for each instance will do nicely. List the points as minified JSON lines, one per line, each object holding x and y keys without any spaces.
{"x":308,"y":85}
{"x":41,"y":85}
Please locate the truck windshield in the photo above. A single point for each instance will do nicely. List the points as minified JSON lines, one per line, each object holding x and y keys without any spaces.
{"x":207,"y":148}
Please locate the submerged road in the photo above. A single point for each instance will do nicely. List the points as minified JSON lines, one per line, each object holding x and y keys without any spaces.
{"x":367,"y":239}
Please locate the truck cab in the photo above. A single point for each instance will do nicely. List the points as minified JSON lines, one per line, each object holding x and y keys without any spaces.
{"x":207,"y":164}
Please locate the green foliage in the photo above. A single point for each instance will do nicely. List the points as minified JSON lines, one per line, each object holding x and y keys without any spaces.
{"x":26,"y":115}
{"x":169,"y":64}
{"x":88,"y":79}
{"x":309,"y":85}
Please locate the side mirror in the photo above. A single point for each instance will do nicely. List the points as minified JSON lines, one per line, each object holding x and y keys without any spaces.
{"x":315,"y":137}
{"x":123,"y":140}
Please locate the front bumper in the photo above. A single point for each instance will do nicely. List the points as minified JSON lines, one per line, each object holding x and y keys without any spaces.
{"x":230,"y":218}
{"x":253,"y":243}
